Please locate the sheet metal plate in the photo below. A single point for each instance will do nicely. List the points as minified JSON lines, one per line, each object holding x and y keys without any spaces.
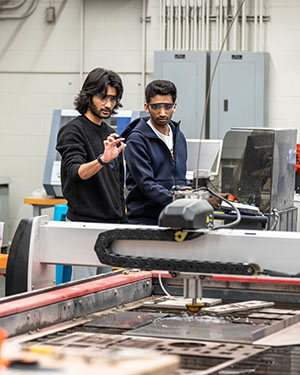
{"x":125,"y":320}
{"x":178,"y":303}
{"x":197,"y":328}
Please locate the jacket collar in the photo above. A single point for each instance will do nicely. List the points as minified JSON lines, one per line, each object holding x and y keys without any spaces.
{"x":140,"y":125}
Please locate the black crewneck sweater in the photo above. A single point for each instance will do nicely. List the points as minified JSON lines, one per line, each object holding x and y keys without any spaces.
{"x":101,"y":197}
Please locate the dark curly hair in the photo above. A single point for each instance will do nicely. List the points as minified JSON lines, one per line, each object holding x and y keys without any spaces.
{"x":98,"y":81}
{"x":160,"y":87}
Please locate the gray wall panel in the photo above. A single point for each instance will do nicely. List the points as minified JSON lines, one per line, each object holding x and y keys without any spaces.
{"x":239,"y":92}
{"x":188,"y":70}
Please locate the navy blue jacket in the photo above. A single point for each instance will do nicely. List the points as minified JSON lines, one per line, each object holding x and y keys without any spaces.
{"x":151,"y":170}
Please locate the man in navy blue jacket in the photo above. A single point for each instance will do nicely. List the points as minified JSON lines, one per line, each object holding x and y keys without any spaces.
{"x":155,"y":155}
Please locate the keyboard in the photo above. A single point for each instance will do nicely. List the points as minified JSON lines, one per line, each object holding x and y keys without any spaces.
{"x":244,"y":208}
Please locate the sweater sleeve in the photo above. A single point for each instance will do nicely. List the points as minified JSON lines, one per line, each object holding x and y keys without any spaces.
{"x":71,"y":147}
{"x":122,"y":181}
{"x":139,"y":164}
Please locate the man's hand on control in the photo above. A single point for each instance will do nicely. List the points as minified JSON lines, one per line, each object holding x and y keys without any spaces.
{"x":214,"y":202}
{"x":111,"y":150}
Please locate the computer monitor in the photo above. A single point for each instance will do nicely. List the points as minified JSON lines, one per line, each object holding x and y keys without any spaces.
{"x":210,"y":156}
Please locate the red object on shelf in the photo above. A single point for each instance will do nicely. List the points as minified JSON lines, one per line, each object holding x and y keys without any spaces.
{"x":298,"y":160}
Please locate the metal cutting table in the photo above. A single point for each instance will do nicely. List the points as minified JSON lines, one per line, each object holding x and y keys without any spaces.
{"x":248,"y":323}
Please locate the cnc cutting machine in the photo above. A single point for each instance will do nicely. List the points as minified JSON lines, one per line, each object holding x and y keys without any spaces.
{"x":39,"y":244}
{"x":223,"y":301}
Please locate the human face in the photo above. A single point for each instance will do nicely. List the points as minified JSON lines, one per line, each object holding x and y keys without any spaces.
{"x":161,"y":109}
{"x":102,"y":105}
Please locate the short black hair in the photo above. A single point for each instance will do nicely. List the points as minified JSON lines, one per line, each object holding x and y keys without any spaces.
{"x":98,"y":81}
{"x":160,"y":87}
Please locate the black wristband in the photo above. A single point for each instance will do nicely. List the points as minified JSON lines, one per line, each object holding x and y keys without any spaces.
{"x":100,"y":161}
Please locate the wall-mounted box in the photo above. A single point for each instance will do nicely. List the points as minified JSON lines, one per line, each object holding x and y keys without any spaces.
{"x":239,"y":94}
{"x":188,"y":70}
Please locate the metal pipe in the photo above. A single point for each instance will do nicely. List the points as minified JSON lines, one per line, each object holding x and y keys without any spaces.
{"x":203,"y":6}
{"x":183,"y":3}
{"x":14,"y":6}
{"x":163,"y":24}
{"x":28,"y":13}
{"x":143,"y":73}
{"x":226,"y":21}
{"x":207,"y":24}
{"x":217,"y":23}
{"x":244,"y":27}
{"x":187,"y":25}
{"x":235,"y":6}
{"x":179,"y":25}
{"x":195,"y":24}
{"x":176,"y":24}
{"x":171,"y":24}
{"x":255,"y":25}
{"x":203,"y":25}
{"x":160,"y":24}
{"x":168,"y":24}
{"x":54,"y":72}
{"x":199,"y":23}
{"x":221,"y":23}
{"x":260,"y":25}
{"x":81,"y":43}
{"x":191,"y":24}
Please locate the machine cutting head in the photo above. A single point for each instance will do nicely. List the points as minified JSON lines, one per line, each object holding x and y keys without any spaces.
{"x":187,"y":214}
{"x":194,"y":307}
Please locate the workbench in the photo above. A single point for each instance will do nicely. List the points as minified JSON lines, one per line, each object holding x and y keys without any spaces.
{"x":39,"y":203}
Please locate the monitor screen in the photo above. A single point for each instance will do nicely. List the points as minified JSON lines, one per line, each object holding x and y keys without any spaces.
{"x":256,"y":171}
{"x":210,"y":156}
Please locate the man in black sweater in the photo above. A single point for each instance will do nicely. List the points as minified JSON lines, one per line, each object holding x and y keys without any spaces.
{"x":92,"y":174}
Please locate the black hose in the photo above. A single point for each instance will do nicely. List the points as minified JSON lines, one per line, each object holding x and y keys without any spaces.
{"x":238,"y":218}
